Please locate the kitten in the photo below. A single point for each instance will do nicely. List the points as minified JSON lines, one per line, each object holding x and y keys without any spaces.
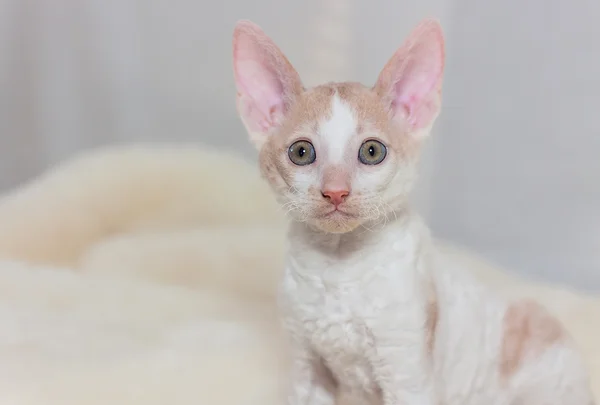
{"x":374,"y":316}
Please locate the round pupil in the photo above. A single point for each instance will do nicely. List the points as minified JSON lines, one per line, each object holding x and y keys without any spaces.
{"x":301,"y":151}
{"x":371,"y":150}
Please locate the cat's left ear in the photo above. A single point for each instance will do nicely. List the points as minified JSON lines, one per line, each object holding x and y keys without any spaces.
{"x":410,"y":83}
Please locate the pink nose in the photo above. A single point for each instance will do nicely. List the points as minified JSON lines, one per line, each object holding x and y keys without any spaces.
{"x":336,"y":197}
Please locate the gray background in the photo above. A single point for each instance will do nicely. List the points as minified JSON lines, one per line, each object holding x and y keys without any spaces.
{"x":512,"y":170}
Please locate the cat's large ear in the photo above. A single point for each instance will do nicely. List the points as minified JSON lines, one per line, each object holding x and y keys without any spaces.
{"x":266,"y":82}
{"x":410,"y":83}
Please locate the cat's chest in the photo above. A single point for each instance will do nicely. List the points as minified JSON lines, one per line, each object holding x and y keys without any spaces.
{"x":335,"y":322}
{"x":323,"y":301}
{"x":336,"y":319}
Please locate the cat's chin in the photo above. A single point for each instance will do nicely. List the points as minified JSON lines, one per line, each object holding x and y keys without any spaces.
{"x":337,"y":225}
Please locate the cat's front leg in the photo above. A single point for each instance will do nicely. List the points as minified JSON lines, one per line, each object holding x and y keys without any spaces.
{"x":311,"y":383}
{"x":403,"y":381}
{"x":402,"y":366}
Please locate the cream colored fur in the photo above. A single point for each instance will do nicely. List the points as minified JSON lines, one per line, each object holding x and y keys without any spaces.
{"x":135,"y":275}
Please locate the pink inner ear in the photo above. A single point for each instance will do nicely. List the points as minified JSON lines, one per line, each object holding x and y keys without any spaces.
{"x":257,"y":81}
{"x":414,"y":75}
{"x":263,"y":77}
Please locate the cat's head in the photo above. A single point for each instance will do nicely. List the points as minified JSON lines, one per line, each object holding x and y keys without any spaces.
{"x":339,"y":155}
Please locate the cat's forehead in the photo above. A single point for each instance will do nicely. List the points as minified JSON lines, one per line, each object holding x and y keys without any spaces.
{"x":338,"y":108}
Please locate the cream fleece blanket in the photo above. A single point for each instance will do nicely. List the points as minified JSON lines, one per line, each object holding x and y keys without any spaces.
{"x":146,"y":274}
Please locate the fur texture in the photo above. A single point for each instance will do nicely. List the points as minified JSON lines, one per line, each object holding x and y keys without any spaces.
{"x":374,"y":315}
{"x":174,"y":302}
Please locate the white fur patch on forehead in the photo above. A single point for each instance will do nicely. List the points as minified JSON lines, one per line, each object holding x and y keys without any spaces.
{"x":338,"y":129}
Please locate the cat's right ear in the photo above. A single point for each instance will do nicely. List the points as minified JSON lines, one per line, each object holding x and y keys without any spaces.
{"x":266,"y":82}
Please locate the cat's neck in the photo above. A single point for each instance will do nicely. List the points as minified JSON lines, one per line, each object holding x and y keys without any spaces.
{"x":398,"y":229}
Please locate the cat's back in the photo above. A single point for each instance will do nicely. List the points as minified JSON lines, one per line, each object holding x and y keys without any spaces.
{"x":490,"y":348}
{"x":467,"y":340}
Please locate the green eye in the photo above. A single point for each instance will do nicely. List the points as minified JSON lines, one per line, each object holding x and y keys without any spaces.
{"x":372,"y":152}
{"x":302,"y":153}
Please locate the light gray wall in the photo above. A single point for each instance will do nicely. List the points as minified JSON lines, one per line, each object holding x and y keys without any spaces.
{"x":511,"y":169}
{"x":81,"y":73}
{"x":518,"y":164}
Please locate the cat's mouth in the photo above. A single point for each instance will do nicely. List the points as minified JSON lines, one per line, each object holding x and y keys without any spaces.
{"x":336,"y":220}
{"x":336,"y":212}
